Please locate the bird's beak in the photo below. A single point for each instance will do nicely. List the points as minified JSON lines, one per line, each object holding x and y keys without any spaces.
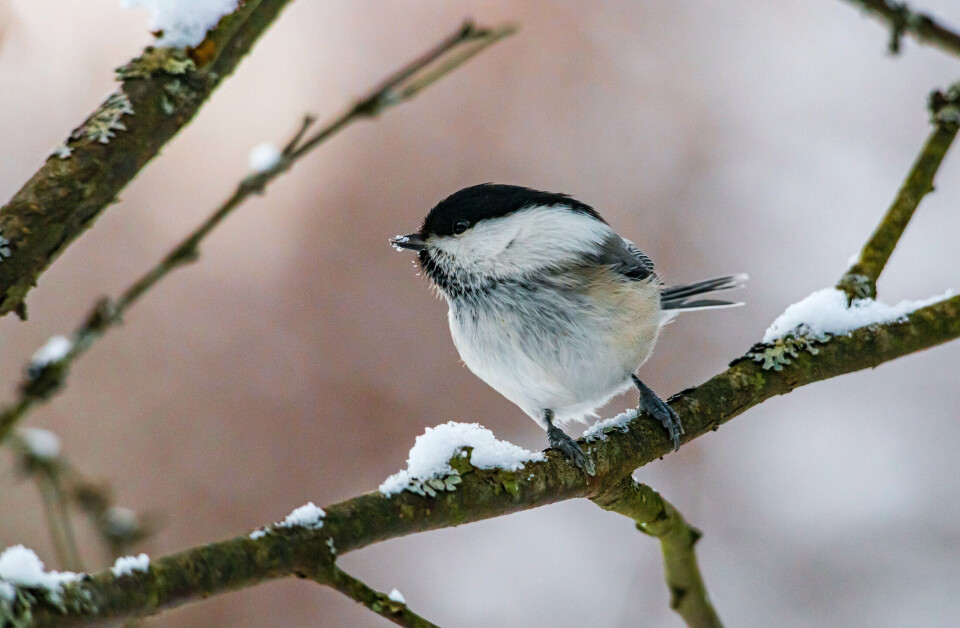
{"x":412,"y":242}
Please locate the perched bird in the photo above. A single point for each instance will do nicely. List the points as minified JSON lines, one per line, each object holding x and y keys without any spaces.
{"x":548,"y":305}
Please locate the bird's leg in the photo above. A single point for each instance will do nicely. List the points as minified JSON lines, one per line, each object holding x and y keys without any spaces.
{"x":651,"y":403}
{"x":569,"y":447}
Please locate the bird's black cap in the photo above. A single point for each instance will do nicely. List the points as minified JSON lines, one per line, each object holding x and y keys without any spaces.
{"x":491,"y":200}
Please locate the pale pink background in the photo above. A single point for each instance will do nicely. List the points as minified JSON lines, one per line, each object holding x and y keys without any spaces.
{"x":301,"y":356}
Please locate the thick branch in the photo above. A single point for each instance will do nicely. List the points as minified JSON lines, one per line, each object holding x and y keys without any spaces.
{"x":370,"y":518}
{"x":657,"y":517}
{"x":902,"y":20}
{"x":65,"y":196}
{"x":860,"y":281}
{"x":398,"y":88}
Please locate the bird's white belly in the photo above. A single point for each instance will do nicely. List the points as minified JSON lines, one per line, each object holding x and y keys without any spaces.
{"x":559,"y":355}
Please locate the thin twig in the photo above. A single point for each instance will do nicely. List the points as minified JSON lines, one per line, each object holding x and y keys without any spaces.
{"x":860,"y":281}
{"x":58,"y":522}
{"x":381,"y":604}
{"x":394,"y":91}
{"x":60,"y":485}
{"x":659,"y":518}
{"x":901,"y":20}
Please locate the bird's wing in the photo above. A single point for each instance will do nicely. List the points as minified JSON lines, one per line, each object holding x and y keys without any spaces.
{"x":626,"y":259}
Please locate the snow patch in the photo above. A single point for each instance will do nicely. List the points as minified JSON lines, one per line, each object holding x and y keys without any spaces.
{"x":126,"y":565}
{"x":121,"y":521}
{"x":258,"y":534}
{"x":306,"y":516}
{"x":8,"y":592}
{"x":54,"y":350}
{"x":42,"y":444}
{"x":264,"y":157}
{"x":826,"y":312}
{"x":600,"y":429}
{"x":396,"y":596}
{"x":183,"y":22}
{"x":21,"y":566}
{"x":429,"y":458}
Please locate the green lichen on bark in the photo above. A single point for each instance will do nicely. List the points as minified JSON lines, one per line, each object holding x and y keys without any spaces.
{"x":155,"y":61}
{"x":782,"y":351}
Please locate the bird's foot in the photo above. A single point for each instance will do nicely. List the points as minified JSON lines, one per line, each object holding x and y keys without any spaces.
{"x":658,"y":409}
{"x":569,"y":447}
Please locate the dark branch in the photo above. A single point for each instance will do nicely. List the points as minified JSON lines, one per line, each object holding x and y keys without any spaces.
{"x":902,"y":20}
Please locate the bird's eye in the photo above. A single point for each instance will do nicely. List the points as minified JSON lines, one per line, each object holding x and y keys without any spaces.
{"x":461,"y":226}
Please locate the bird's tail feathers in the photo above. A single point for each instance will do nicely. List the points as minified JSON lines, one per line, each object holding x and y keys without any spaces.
{"x":679,"y":297}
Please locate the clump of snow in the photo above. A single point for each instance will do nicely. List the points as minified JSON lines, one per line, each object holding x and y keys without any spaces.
{"x":827,"y":312}
{"x":42,"y":444}
{"x":120,"y":521}
{"x":396,"y":596}
{"x":429,"y":458}
{"x":600,"y":429}
{"x":8,"y":592}
{"x":126,"y":565}
{"x":54,"y":350}
{"x":306,"y":516}
{"x":264,"y":157}
{"x":259,"y":533}
{"x":21,"y":566}
{"x":183,"y":22}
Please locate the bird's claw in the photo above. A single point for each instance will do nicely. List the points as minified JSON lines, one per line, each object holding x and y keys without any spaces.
{"x":569,"y":448}
{"x":658,"y":409}
{"x":667,"y":417}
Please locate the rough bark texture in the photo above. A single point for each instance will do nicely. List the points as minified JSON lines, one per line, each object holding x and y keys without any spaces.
{"x":67,"y":194}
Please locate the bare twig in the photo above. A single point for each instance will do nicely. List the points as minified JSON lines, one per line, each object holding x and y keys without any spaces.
{"x":902,"y":20}
{"x":381,"y":604}
{"x":860,"y":281}
{"x":61,"y":485}
{"x":398,"y":88}
{"x":659,"y":518}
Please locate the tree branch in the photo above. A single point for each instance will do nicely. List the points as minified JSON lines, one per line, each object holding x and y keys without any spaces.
{"x":381,"y":604}
{"x":659,"y":518}
{"x":902,"y":20}
{"x":160,"y":93}
{"x":41,"y":384}
{"x":371,"y":518}
{"x":860,"y":281}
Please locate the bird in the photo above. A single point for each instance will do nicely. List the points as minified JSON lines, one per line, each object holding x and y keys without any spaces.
{"x":549,"y":305}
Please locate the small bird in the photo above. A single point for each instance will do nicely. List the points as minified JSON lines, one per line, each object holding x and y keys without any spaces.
{"x":548,"y":305}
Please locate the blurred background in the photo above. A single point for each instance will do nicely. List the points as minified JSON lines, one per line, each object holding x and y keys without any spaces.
{"x":301,"y":356}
